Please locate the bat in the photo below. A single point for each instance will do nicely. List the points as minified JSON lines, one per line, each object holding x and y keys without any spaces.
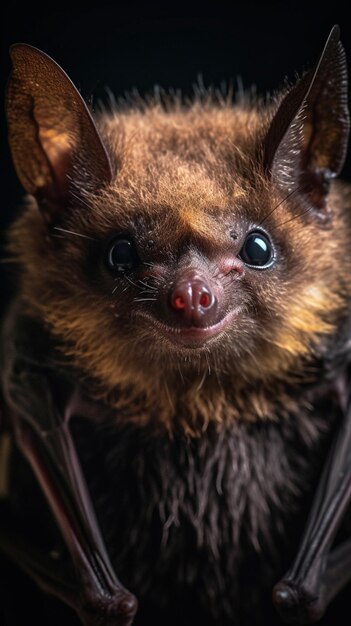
{"x":175,"y":363}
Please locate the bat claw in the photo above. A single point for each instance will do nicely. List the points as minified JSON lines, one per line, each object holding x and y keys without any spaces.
{"x":128,"y":606}
{"x":113,"y":612}
{"x":296,"y":605}
{"x":285,"y":596}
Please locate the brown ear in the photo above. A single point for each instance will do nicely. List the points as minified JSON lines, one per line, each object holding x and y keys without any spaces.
{"x":307,"y":141}
{"x":55,"y":145}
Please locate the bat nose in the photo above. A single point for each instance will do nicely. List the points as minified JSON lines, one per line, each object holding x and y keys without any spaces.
{"x":193,"y":300}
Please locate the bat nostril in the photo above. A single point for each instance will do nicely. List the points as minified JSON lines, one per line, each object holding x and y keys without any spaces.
{"x":178,"y":302}
{"x":205,"y":300}
{"x":181,"y":297}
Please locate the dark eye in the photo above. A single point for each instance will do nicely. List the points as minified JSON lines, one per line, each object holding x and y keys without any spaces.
{"x":121,"y":254}
{"x":257,"y":250}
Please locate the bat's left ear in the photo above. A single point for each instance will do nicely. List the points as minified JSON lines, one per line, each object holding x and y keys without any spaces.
{"x":307,"y":140}
{"x":56,"y":148}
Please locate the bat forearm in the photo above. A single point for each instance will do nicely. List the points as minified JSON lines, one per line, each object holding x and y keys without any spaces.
{"x":100,"y":594}
{"x":319,"y":573}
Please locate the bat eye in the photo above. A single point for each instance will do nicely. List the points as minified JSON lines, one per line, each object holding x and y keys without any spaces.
{"x":257,"y":250}
{"x":121,"y":254}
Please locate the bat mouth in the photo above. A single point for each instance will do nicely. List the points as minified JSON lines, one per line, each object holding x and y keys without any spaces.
{"x":191,"y":336}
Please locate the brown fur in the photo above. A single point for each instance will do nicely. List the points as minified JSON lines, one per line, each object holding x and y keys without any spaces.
{"x":186,"y":178}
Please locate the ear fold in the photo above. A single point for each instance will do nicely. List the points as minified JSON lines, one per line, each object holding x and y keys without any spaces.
{"x":55,"y":145}
{"x":307,"y":140}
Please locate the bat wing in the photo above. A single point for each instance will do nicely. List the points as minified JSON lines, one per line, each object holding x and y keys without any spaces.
{"x":321,"y":568}
{"x":39,"y":402}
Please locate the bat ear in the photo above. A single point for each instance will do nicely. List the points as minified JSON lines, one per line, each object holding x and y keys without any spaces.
{"x":55,"y":145}
{"x":307,"y":140}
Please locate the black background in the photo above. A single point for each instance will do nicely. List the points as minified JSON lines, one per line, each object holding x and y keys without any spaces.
{"x":123,"y":46}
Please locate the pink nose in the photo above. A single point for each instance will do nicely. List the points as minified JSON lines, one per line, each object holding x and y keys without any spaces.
{"x":192,"y":299}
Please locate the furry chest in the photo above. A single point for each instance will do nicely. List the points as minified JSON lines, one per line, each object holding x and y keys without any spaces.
{"x":213,"y":520}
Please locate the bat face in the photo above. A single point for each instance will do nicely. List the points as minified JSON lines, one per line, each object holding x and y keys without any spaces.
{"x":209,"y":239}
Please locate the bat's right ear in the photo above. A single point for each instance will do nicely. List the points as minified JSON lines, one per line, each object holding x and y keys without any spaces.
{"x":56,"y":148}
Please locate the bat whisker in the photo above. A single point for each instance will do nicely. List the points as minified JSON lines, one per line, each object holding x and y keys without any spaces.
{"x":200,"y":385}
{"x":280,"y":203}
{"x":144,"y":299}
{"x":79,"y":199}
{"x":208,"y":362}
{"x":148,"y":286}
{"x":147,"y":293}
{"x":130,"y":281}
{"x":72,"y":232}
{"x":291,"y":219}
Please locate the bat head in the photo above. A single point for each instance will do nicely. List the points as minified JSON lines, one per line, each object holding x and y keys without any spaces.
{"x":184,"y":251}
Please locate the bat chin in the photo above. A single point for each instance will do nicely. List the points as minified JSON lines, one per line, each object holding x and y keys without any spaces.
{"x":191,"y":337}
